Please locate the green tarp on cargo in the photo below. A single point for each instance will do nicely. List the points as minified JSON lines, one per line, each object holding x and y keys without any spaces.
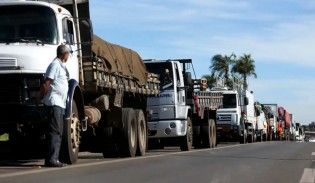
{"x":120,"y":60}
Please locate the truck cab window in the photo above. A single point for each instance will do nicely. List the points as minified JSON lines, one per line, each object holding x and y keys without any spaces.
{"x":165,"y":71}
{"x":68,"y":33}
{"x":28,"y":24}
{"x":229,"y":101}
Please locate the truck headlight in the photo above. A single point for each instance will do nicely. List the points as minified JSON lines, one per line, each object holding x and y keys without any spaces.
{"x":167,"y":109}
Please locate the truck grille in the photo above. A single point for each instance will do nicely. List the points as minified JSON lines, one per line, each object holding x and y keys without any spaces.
{"x":10,"y":90}
{"x":8,"y":62}
{"x":225,"y":117}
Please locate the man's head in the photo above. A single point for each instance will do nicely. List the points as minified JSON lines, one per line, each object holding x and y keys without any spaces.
{"x":167,"y":72}
{"x":63,"y":53}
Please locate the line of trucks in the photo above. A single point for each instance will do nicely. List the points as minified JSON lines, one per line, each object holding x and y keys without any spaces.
{"x":118,"y":104}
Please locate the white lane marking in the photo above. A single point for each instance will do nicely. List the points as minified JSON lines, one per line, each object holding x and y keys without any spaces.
{"x":313,"y":153}
{"x":108,"y":162}
{"x":308,"y":176}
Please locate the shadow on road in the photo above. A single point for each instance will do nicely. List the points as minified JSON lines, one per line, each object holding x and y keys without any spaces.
{"x":245,"y":157}
{"x":19,"y":163}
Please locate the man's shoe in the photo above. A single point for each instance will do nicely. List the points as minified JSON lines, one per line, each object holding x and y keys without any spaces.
{"x":55,"y":164}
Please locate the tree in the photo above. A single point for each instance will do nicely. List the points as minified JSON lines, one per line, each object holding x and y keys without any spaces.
{"x":237,"y":81}
{"x":211,"y":80}
{"x":245,"y":66}
{"x":221,"y":65}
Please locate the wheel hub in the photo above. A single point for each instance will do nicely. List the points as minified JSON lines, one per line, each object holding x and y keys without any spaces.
{"x":75,"y":132}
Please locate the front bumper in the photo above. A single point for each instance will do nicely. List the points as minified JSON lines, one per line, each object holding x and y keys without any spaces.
{"x":226,"y":131}
{"x":167,"y":128}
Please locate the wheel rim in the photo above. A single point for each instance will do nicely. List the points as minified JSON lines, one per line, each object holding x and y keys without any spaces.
{"x":214,"y":135}
{"x":142,"y":133}
{"x":132,"y":133}
{"x":190,"y":137}
{"x":211,"y":133}
{"x":75,"y":132}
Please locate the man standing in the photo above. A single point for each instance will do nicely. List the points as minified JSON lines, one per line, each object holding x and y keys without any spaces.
{"x":54,"y":93}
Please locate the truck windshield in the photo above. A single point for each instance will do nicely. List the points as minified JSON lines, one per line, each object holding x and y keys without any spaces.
{"x":27,"y":23}
{"x":166,"y":74}
{"x":229,"y":100}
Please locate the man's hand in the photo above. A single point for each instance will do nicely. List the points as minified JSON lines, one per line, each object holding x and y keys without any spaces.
{"x":43,"y":90}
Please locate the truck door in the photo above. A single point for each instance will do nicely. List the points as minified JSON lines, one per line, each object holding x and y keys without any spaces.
{"x":180,"y":92}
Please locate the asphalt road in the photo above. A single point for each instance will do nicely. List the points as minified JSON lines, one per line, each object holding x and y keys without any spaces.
{"x":253,"y":163}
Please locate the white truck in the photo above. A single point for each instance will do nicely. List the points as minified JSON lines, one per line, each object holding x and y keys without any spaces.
{"x":261,"y":123}
{"x":271,"y":112}
{"x":236,"y":121}
{"x":184,"y":112}
{"x":292,"y":128}
{"x":108,"y":84}
{"x":299,"y":132}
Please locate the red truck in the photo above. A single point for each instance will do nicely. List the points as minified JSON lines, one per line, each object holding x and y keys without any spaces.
{"x":284,"y":123}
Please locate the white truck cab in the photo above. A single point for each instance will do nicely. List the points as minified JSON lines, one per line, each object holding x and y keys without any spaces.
{"x":28,"y":44}
{"x":237,"y":114}
{"x":170,"y":112}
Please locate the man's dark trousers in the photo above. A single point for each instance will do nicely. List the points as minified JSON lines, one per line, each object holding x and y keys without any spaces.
{"x":54,"y":133}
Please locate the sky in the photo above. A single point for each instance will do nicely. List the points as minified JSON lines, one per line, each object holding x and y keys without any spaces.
{"x":280,"y":36}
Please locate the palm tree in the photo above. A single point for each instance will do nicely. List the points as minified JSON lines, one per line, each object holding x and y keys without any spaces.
{"x":245,"y":66}
{"x":237,"y":81}
{"x":211,"y":80}
{"x":221,"y":65}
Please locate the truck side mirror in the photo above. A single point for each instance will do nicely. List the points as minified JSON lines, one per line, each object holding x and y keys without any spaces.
{"x":246,"y":101}
{"x":86,"y":35}
{"x":86,"y":31}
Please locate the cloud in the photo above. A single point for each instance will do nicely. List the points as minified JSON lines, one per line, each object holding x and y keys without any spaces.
{"x":297,"y":96}
{"x":279,"y":35}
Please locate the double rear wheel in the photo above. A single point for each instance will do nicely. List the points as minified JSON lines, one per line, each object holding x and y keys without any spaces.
{"x":209,"y":134}
{"x":129,"y":140}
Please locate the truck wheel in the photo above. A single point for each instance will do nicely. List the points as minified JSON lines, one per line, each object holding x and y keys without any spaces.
{"x":214,"y":134}
{"x":260,"y":136}
{"x":187,"y":141}
{"x":207,"y":139}
{"x":142,"y":133}
{"x":273,"y":137}
{"x":264,"y":137}
{"x":71,"y":137}
{"x":108,"y":143}
{"x":250,"y":138}
{"x":197,"y":141}
{"x":128,"y":135}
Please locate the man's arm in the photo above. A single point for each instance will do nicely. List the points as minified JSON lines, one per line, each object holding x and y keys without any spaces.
{"x":43,"y":89}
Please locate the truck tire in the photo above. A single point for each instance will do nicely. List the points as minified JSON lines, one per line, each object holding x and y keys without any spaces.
{"x":71,"y":137}
{"x":264,"y":137}
{"x":197,"y":141}
{"x":260,"y":139}
{"x":187,"y":141}
{"x":109,"y":148}
{"x":142,"y":133}
{"x":250,"y":138}
{"x":207,"y":138}
{"x":242,"y":139}
{"x":273,"y":136}
{"x":214,"y":134}
{"x":128,"y":133}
